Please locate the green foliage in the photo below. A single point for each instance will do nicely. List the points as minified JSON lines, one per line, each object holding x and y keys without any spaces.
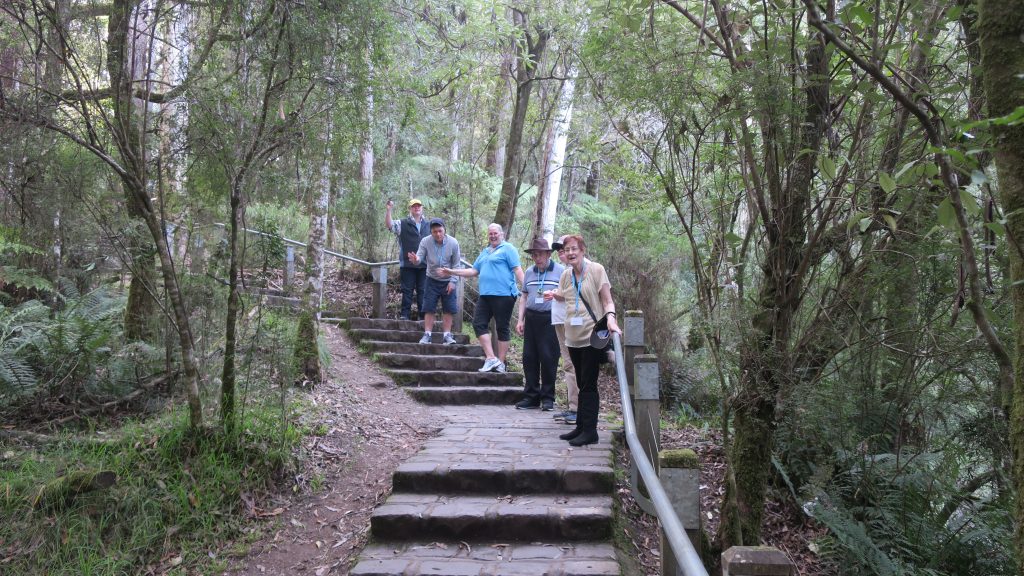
{"x":74,"y":350}
{"x":888,"y":515}
{"x":179,"y":494}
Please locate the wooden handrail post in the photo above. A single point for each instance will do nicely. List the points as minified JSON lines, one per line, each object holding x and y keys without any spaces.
{"x":756,"y":561}
{"x":289,"y":267}
{"x":380,"y":290}
{"x":647,"y":405}
{"x":197,"y":260}
{"x":680,"y":477}
{"x":633,"y":342}
{"x":169,"y":229}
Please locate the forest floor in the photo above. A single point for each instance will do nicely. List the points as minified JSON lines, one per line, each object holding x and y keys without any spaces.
{"x":370,"y":426}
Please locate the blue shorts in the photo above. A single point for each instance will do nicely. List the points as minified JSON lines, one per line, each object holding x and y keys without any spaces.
{"x":438,"y":289}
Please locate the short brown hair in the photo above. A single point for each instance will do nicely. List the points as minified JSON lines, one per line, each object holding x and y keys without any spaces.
{"x":575,"y":238}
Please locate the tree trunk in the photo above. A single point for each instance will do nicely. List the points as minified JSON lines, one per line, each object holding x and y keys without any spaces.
{"x":227,"y":389}
{"x":528,"y":55}
{"x":128,"y":136}
{"x":307,"y":341}
{"x":765,"y":360}
{"x":495,"y":158}
{"x":550,"y":177}
{"x":1001,"y":27}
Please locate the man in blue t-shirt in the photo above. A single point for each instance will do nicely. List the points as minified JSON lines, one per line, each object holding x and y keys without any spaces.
{"x":501,"y":275}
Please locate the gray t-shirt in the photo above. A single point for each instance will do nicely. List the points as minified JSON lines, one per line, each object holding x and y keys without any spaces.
{"x":535,"y":283}
{"x":444,"y":255}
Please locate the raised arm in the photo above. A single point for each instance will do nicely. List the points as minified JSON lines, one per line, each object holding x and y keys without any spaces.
{"x":387,"y":214}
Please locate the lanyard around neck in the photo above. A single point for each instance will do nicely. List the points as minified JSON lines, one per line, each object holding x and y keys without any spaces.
{"x":579,"y":284}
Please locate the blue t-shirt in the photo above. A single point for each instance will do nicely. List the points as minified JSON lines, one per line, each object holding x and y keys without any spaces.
{"x":495,"y":268}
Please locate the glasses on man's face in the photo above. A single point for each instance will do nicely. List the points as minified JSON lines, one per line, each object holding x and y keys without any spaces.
{"x":571,"y":249}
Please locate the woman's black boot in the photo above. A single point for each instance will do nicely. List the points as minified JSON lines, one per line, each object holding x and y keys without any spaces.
{"x":584,"y":438}
{"x":570,"y":435}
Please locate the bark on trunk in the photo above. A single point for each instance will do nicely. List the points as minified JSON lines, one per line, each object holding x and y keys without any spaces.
{"x":307,"y":346}
{"x":1001,"y":27}
{"x":127,"y":134}
{"x":765,"y":362}
{"x":528,"y":55}
{"x":495,"y":158}
{"x":550,"y":178}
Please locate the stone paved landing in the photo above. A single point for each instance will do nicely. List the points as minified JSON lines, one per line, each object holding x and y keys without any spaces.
{"x":497,"y":493}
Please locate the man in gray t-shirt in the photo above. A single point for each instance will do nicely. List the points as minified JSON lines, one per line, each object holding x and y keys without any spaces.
{"x":439,"y":250}
{"x":540,"y":342}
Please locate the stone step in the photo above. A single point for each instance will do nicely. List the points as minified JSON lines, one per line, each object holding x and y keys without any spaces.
{"x":361,"y":334}
{"x":487,"y":558}
{"x":455,"y":378}
{"x":466,"y":395}
{"x":533,"y":517}
{"x":390,"y":324}
{"x":431,"y":362}
{"x":521,"y":453}
{"x":384,"y":347}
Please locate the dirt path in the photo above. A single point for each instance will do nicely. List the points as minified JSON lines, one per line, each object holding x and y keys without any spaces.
{"x":370,"y":427}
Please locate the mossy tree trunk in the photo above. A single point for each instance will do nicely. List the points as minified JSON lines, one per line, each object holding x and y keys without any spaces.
{"x":765,"y":361}
{"x":307,"y":345}
{"x":1001,"y":29}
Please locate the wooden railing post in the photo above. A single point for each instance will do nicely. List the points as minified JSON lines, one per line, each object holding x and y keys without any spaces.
{"x":460,"y":297}
{"x":633,"y":343}
{"x":289,"y":267}
{"x":169,"y":229}
{"x":647,"y":405}
{"x":380,"y":290}
{"x":197,"y":261}
{"x":756,"y":561}
{"x":680,"y":477}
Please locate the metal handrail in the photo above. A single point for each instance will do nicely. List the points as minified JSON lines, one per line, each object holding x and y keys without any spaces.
{"x":687,"y":557}
{"x":303,"y":245}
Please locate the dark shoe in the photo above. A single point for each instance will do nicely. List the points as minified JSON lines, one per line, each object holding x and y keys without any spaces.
{"x":584,"y":438}
{"x":570,"y":418}
{"x":548,"y":406}
{"x":527,"y":405}
{"x":570,"y":435}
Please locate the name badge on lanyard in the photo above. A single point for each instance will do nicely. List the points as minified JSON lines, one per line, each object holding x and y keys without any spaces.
{"x":538,"y":300}
{"x":576,"y":321}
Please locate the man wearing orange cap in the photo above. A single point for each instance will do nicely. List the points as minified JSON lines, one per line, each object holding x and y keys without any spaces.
{"x":410,"y":231}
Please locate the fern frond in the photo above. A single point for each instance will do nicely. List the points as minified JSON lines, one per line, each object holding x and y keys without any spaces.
{"x":16,"y":376}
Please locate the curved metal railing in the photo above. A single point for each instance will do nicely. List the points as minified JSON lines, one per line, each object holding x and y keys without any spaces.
{"x":685,"y":554}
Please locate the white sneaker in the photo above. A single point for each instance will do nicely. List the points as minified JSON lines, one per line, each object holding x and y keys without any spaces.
{"x":500,"y":368}
{"x":490,"y":364}
{"x":449,"y":339}
{"x":426,"y":338}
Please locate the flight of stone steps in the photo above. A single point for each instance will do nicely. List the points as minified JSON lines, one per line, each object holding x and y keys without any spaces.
{"x":433,"y":373}
{"x":496,"y":492}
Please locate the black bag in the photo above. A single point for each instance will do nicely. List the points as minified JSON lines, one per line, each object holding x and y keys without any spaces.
{"x":601,"y":337}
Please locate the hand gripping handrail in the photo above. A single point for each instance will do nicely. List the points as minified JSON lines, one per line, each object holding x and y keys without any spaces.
{"x":687,"y":557}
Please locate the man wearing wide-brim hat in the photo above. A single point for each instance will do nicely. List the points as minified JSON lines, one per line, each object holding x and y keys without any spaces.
{"x":540,"y":342}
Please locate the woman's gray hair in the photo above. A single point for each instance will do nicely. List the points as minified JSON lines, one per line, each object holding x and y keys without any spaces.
{"x":498,"y":226}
